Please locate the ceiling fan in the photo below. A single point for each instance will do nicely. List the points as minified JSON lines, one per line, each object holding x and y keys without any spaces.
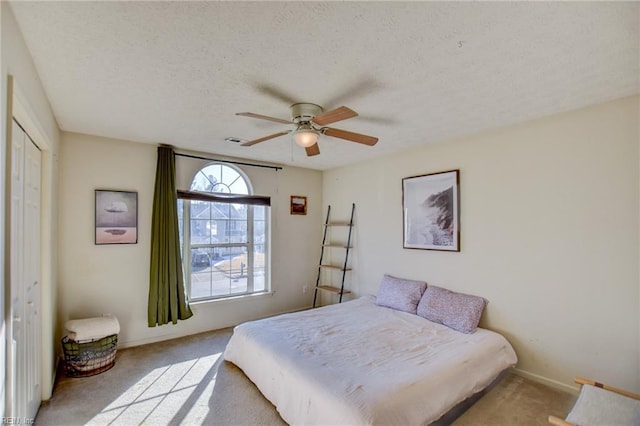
{"x":310,"y":121}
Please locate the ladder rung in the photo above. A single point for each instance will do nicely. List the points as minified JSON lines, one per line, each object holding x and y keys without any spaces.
{"x":335,"y":267}
{"x":338,"y":244}
{"x":332,"y":289}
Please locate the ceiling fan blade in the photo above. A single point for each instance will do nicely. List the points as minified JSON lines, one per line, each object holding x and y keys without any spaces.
{"x":334,"y":115}
{"x":313,"y":150}
{"x":274,"y":92}
{"x":364,"y":86}
{"x":263,"y":117}
{"x":350,"y":136}
{"x":266,"y":138}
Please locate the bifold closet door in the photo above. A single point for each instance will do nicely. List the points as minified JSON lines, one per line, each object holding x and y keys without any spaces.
{"x":33,"y":321}
{"x":25,"y":328}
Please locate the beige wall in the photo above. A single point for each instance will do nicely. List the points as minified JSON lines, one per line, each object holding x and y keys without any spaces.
{"x":115,"y":278}
{"x":549,"y":222}
{"x":550,"y":213}
{"x":37,"y":118}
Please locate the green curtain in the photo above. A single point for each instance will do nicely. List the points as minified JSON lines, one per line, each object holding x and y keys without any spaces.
{"x":167,"y":297}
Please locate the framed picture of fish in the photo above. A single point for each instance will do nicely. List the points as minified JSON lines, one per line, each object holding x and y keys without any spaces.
{"x":431,"y":211}
{"x":116,"y":217}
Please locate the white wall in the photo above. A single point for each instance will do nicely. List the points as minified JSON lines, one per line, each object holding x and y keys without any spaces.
{"x":549,"y":222}
{"x":115,"y":278}
{"x":42,"y":127}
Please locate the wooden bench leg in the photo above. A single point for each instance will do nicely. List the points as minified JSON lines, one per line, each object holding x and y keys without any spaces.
{"x":559,"y":422}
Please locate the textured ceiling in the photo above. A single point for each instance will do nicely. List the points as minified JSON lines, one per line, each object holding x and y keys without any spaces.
{"x":417,"y":72}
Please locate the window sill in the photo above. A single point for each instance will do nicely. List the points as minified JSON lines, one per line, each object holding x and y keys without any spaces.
{"x":233,"y":298}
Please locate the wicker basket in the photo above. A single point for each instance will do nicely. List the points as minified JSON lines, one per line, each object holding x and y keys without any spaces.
{"x":89,"y":358}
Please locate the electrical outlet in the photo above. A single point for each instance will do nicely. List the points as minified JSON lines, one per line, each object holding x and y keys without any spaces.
{"x":305,"y":289}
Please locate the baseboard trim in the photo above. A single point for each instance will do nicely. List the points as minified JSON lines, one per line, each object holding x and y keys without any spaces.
{"x":171,"y":336}
{"x":546,"y":381}
{"x":162,"y":338}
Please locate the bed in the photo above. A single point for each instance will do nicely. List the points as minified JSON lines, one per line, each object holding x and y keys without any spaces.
{"x":357,"y":363}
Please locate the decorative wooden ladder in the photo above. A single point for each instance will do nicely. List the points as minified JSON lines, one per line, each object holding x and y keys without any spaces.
{"x":329,"y":288}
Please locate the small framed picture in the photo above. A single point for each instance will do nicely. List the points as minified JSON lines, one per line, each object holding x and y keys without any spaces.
{"x":116,"y":217}
{"x":298,"y":204}
{"x":431,"y":211}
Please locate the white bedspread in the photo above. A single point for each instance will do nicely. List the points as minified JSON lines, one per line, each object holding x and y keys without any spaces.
{"x":358,"y":363}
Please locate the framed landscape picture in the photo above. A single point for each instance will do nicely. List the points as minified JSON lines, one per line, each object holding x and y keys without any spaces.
{"x":431,"y":211}
{"x":298,"y":204}
{"x":116,"y":217}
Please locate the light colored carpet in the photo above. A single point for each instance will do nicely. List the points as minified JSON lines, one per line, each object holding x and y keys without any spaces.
{"x":518,"y":401}
{"x":186,"y":382}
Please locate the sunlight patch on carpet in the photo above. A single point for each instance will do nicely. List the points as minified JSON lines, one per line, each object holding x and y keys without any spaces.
{"x":198,"y":412}
{"x":164,"y":393}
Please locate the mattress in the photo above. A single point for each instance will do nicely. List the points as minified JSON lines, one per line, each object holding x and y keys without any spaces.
{"x":357,"y":363}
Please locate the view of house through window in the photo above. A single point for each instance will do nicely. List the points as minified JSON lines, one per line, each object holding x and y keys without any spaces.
{"x":224,"y":245}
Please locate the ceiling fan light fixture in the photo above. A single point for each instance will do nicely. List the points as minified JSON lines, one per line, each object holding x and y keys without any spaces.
{"x":305,"y":136}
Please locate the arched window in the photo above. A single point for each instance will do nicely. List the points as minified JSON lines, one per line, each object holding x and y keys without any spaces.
{"x":220,"y":178}
{"x":226,"y":237}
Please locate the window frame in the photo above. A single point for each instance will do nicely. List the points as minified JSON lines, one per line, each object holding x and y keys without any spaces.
{"x":249,"y":245}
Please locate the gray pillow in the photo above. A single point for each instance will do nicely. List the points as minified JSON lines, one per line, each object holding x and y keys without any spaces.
{"x":458,"y":311}
{"x":400,"y":294}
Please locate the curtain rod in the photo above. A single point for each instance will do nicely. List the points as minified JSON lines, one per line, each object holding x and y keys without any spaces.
{"x":276,"y":168}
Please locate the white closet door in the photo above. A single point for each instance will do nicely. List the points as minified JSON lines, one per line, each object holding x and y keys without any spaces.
{"x":32,"y":323}
{"x":25,"y":331}
{"x":16,"y":348}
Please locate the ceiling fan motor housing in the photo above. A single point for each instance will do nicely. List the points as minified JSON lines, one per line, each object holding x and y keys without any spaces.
{"x":304,"y":112}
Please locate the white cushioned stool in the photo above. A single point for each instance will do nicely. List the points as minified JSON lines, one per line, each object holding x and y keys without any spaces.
{"x":600,"y":404}
{"x":88,"y":329}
